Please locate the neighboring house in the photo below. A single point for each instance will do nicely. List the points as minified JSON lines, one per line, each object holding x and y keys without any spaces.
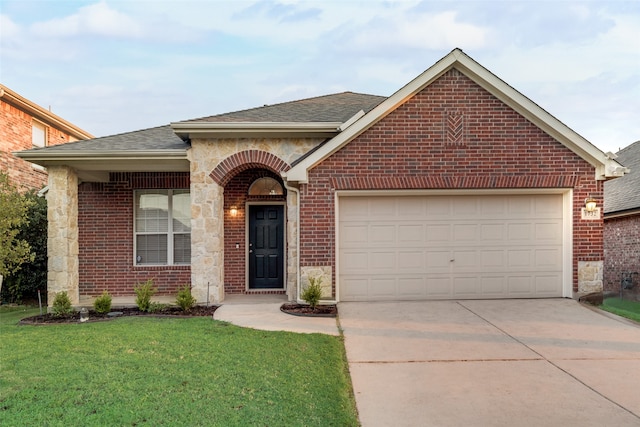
{"x":24,"y":125}
{"x":622,"y":226}
{"x":456,"y":186}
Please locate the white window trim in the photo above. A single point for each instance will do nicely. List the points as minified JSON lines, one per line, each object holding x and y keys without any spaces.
{"x":170,"y":233}
{"x":45,"y":129}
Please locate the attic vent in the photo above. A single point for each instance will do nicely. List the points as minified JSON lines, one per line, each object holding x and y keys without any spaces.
{"x":454,"y":128}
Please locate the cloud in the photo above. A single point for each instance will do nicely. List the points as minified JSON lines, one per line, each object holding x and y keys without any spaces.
{"x":96,"y":19}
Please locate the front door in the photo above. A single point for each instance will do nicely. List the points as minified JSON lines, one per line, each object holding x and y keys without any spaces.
{"x":266,"y":251}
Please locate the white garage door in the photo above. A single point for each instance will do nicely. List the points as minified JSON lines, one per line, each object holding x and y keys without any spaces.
{"x":443,"y":247}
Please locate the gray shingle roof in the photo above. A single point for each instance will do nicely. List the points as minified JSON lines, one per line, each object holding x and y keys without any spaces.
{"x":338,"y":107}
{"x":159,"y":138}
{"x":329,"y":108}
{"x":623,"y":193}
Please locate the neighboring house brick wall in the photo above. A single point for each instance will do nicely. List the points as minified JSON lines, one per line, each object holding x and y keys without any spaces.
{"x":16,"y":135}
{"x":622,"y":253}
{"x":410,"y":149}
{"x":105,"y":222}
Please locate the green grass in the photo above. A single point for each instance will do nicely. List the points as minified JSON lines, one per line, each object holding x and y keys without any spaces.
{"x":177,"y":372}
{"x":621,"y":307}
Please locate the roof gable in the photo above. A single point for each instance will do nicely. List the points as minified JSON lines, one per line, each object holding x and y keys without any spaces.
{"x":605,"y":166}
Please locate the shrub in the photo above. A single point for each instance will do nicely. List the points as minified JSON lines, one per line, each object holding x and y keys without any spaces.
{"x":62,"y":304}
{"x":313,"y":292}
{"x":102,"y":304}
{"x":184,"y":299}
{"x":156,"y":307}
{"x":144,"y":292}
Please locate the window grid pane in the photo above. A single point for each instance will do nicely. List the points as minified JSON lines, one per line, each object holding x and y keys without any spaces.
{"x":181,"y":211}
{"x":181,"y":248}
{"x":151,"y":249}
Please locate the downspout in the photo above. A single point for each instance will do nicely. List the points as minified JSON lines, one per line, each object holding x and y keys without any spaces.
{"x":297,"y":191}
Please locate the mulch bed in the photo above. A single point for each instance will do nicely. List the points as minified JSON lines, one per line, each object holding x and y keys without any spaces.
{"x":329,"y":310}
{"x":50,"y":318}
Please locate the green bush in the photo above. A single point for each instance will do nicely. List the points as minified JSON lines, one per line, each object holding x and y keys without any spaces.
{"x":62,"y":304}
{"x":185,"y":300}
{"x":156,"y":307}
{"x":313,"y":292}
{"x":102,"y":304}
{"x":23,"y":284}
{"x":144,"y":292}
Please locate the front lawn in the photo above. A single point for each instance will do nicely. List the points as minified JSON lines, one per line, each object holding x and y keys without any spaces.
{"x":177,"y":372}
{"x":622,"y":307}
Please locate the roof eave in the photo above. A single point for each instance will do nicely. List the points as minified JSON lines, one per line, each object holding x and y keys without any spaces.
{"x":605,"y":167}
{"x":93,"y":166}
{"x":192,"y":130}
{"x":43,"y":115}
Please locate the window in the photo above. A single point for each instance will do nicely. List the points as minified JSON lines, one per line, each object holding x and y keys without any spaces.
{"x":38,"y":134}
{"x":265,"y":187}
{"x":162,"y":227}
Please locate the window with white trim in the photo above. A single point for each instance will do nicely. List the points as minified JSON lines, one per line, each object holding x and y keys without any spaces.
{"x":38,"y":134}
{"x":162,"y":227}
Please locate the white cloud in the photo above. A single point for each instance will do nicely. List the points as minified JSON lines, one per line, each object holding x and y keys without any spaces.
{"x":96,"y":19}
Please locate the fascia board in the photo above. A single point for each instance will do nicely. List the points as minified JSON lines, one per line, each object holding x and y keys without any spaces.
{"x":604,"y":166}
{"x":230,"y":129}
{"x":112,"y":161}
{"x":43,"y":115}
{"x":62,"y":155}
{"x":299,"y":172}
{"x":534,"y":113}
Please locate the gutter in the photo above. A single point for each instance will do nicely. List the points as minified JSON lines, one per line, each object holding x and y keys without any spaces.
{"x":236,"y":129}
{"x":62,"y":155}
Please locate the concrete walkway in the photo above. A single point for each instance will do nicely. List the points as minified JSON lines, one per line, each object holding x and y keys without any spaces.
{"x":263,"y":312}
{"x":550,"y":362}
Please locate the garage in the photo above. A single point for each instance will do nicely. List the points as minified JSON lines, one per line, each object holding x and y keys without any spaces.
{"x":470,"y":246}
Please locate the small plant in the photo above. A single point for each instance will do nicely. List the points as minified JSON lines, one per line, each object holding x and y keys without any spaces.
{"x":144,"y":292}
{"x":102,"y":304}
{"x":313,"y":292}
{"x":156,"y":307}
{"x":185,"y":300}
{"x":62,"y":304}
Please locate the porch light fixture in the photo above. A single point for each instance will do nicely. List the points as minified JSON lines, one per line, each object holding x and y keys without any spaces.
{"x":590,"y":204}
{"x":233,"y":211}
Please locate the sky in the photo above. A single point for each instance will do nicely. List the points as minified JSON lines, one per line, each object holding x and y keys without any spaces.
{"x":115,"y":66}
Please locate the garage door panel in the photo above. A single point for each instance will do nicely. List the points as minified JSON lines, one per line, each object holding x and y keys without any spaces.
{"x":439,"y":247}
{"x":439,"y":287}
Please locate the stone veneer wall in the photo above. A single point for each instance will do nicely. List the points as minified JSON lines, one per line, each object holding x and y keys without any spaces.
{"x":62,"y":234}
{"x":207,"y":207}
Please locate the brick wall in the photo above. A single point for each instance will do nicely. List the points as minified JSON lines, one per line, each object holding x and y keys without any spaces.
{"x":15,"y":135}
{"x":235,"y":194}
{"x":452,"y":135}
{"x":105,"y":222}
{"x":622,"y":253}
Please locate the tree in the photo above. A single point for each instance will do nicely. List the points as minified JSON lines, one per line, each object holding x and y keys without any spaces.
{"x":14,"y":208}
{"x":24,"y":284}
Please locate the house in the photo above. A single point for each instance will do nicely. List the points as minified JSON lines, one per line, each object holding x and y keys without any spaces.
{"x":24,"y":125}
{"x":622,"y":226}
{"x":456,"y":186}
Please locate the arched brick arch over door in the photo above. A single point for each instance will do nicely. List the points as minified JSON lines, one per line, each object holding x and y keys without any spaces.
{"x":244,"y":160}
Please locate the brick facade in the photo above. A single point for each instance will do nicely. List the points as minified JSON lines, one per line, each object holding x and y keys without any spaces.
{"x":420,"y":146}
{"x":622,"y":253}
{"x":16,"y":135}
{"x":105,"y":223}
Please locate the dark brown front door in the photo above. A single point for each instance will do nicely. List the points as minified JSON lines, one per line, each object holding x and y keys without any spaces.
{"x":266,"y":247}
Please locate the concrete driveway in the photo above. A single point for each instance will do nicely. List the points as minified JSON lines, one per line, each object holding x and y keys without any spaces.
{"x":550,"y":362}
